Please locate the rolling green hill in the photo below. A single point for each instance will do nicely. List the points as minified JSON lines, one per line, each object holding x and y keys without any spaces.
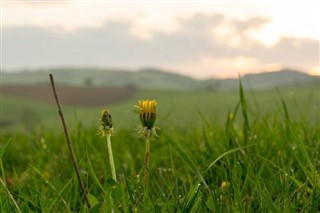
{"x":108,"y":78}
{"x":154,"y":79}
{"x":265,"y":80}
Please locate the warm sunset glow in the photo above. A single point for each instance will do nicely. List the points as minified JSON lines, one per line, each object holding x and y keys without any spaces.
{"x":314,"y":71}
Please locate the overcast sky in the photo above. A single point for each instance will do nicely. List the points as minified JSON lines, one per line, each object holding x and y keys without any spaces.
{"x":197,"y":38}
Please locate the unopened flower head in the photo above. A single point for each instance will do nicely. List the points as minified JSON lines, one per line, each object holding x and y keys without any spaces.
{"x":147,"y":113}
{"x":231,"y":116}
{"x":106,"y":127}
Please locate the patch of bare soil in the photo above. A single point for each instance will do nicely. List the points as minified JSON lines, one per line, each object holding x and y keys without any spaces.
{"x":72,"y":96}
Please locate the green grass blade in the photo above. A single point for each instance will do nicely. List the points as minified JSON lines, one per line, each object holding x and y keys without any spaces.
{"x":50,"y":184}
{"x":94,"y":176}
{"x":3,"y":148}
{"x":187,"y":160}
{"x":296,"y":181}
{"x":10,"y":195}
{"x":227,"y":153}
{"x":2,"y":151}
{"x":191,"y":199}
{"x":244,"y":107}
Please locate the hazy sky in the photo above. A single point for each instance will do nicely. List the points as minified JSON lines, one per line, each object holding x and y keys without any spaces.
{"x":197,"y":38}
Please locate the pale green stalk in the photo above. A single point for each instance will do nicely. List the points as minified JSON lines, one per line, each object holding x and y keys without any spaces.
{"x":113,"y":169}
{"x":146,"y":161}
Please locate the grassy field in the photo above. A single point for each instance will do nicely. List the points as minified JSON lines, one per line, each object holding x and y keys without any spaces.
{"x":216,"y":152}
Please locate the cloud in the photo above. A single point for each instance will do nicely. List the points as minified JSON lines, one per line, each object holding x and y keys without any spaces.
{"x":290,"y":51}
{"x":39,"y":3}
{"x":202,"y":45}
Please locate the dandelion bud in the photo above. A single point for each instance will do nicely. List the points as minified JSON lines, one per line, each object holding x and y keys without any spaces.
{"x":147,"y":113}
{"x":105,"y":123}
{"x":231,"y":116}
{"x":106,"y":118}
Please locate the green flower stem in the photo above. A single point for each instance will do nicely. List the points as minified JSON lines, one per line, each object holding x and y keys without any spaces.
{"x":146,"y":163}
{"x":113,"y":169}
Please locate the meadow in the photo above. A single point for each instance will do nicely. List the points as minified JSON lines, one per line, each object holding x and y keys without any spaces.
{"x":232,"y":151}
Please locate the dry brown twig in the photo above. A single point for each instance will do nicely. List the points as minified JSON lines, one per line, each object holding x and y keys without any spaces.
{"x":73,"y":157}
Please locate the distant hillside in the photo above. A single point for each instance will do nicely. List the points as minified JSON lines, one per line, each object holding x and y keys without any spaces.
{"x":153,"y":79}
{"x":147,"y":78}
{"x":271,"y":79}
{"x":265,"y":80}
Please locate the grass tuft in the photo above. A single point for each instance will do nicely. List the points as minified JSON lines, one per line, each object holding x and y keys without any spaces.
{"x":209,"y":157}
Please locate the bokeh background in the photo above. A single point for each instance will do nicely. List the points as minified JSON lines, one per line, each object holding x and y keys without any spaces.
{"x":109,"y":54}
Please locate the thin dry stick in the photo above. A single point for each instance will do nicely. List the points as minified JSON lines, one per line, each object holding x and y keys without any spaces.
{"x":73,"y":157}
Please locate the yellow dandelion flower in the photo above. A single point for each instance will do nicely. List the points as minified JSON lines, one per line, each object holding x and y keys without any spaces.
{"x":147,"y":113}
{"x":224,"y":184}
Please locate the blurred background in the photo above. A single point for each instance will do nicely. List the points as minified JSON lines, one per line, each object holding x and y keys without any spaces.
{"x":109,"y":54}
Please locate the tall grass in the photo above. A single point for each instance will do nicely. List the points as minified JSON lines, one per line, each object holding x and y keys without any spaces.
{"x":253,"y":163}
